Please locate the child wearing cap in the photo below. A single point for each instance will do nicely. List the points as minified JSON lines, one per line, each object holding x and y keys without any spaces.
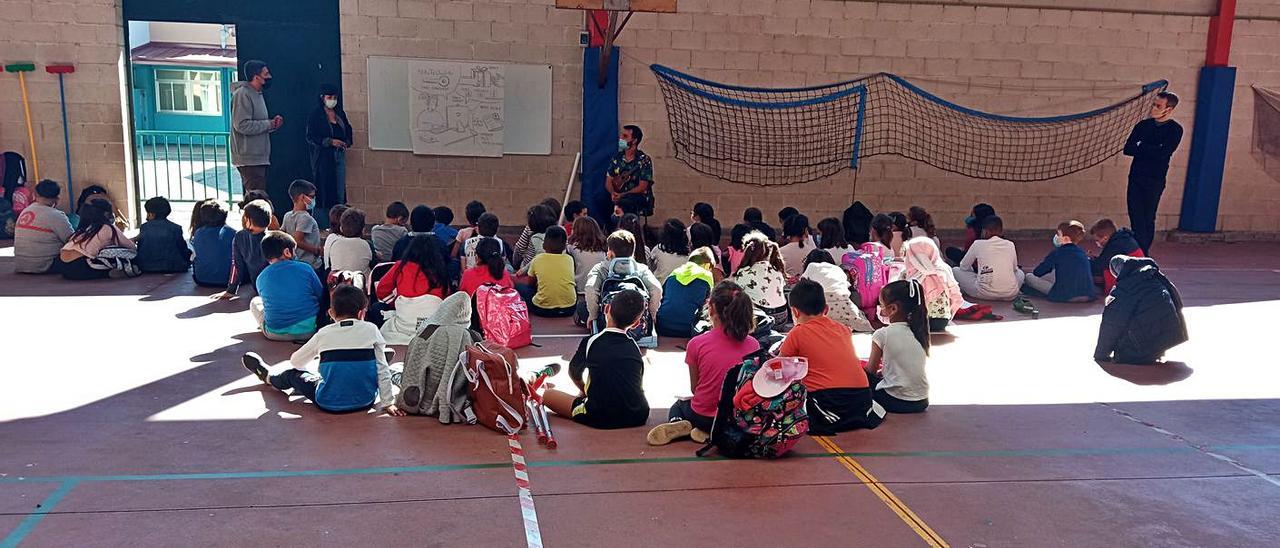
{"x":613,"y":393}
{"x":840,"y":398}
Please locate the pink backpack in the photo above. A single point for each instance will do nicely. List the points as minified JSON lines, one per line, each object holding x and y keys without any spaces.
{"x":504,"y":317}
{"x":868,"y":273}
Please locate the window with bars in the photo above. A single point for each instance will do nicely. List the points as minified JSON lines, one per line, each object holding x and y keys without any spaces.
{"x":189,"y":92}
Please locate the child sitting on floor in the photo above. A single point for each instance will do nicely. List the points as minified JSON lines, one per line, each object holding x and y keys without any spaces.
{"x":941,"y":292}
{"x":797,"y":243}
{"x":710,"y":356}
{"x":353,"y":366}
{"x":619,"y":261}
{"x":671,"y":252}
{"x":761,"y":276}
{"x":901,"y":232}
{"x":254,"y":195}
{"x":588,"y":249}
{"x":299,"y":224}
{"x":1143,"y":316}
{"x":839,"y":395}
{"x":1064,"y":276}
{"x":733,"y":253}
{"x":335,"y":217}
{"x":881,"y":236}
{"x":613,"y":393}
{"x":989,"y":270}
{"x":831,"y":239}
{"x":486,"y":229}
{"x":1111,"y":241}
{"x":388,"y":233}
{"x":247,"y":261}
{"x":161,"y":247}
{"x":473,"y":212}
{"x":552,"y":273}
{"x":537,"y":220}
{"x":346,"y":248}
{"x":414,"y":286}
{"x":573,"y":211}
{"x":921,"y":221}
{"x":212,"y":242}
{"x":421,"y":221}
{"x":491,"y":268}
{"x":683,"y":294}
{"x":898,"y":350}
{"x":701,"y":235}
{"x":84,"y":256}
{"x":443,"y":228}
{"x":821,"y":267}
{"x":289,"y":292}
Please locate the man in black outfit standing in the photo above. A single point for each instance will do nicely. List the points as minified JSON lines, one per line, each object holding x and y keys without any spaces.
{"x":1151,"y":144}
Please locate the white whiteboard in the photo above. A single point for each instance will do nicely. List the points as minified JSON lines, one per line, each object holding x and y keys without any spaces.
{"x":456,"y":108}
{"x":526,"y":106}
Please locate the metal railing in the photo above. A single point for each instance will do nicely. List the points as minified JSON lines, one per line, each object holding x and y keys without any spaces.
{"x":186,"y":166}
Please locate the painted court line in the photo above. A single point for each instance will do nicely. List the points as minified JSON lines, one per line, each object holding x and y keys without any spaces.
{"x":34,"y":518}
{"x":532,"y":533}
{"x":892,"y":501}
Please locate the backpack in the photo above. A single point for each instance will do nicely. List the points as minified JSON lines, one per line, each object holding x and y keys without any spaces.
{"x":767,"y":430}
{"x":14,"y":172}
{"x":494,"y":386}
{"x":503,"y":317}
{"x":868,"y":273}
{"x":643,"y":333}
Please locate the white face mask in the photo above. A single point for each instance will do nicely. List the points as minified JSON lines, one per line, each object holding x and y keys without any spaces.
{"x":883,"y":319}
{"x":331,"y":103}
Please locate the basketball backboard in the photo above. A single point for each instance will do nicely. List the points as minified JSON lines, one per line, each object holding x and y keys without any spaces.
{"x":659,"y":6}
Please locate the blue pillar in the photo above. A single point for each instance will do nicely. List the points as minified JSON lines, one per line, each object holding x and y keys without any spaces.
{"x":1208,"y":156}
{"x":599,"y":132}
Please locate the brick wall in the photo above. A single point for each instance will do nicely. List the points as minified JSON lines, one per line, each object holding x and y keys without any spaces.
{"x":88,"y":34}
{"x":1022,"y":61}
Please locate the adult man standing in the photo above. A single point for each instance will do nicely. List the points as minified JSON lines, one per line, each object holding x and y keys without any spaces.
{"x":1151,"y":144}
{"x":251,"y":128}
{"x":630,"y":176}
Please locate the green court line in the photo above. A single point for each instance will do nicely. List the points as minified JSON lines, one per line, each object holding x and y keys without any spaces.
{"x":393,"y":470}
{"x":34,"y":518}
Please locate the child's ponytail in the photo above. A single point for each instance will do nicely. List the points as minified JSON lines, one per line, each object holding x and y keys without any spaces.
{"x":909,"y":296}
{"x":734,"y":310}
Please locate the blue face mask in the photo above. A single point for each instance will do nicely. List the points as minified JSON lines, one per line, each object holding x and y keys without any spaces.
{"x":623,"y":145}
{"x":969,"y":220}
{"x":1056,"y":243}
{"x":311,"y":204}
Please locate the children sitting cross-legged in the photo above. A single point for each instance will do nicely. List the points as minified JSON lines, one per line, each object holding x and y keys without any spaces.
{"x":941,"y":292}
{"x":797,"y":244}
{"x":289,"y":292}
{"x":247,"y":261}
{"x":491,"y":268}
{"x":898,"y":350}
{"x":588,"y":248}
{"x":1143,"y":316}
{"x":302,"y":226}
{"x":760,"y":274}
{"x":211,"y":242}
{"x":989,"y":270}
{"x":433,"y":382}
{"x":473,"y":211}
{"x":346,"y":249}
{"x":486,"y":228}
{"x":1064,"y":275}
{"x":840,"y":398}
{"x":671,"y":252}
{"x":701,"y":235}
{"x":161,"y":247}
{"x":612,"y":392}
{"x":821,"y":267}
{"x":87,"y":255}
{"x":552,"y":274}
{"x":40,"y":232}
{"x":414,"y":287}
{"x":831,"y":239}
{"x":684,"y":293}
{"x":386,"y":235}
{"x":353,"y":367}
{"x":1112,"y":242}
{"x":619,"y":262}
{"x":710,"y":356}
{"x":421,"y":221}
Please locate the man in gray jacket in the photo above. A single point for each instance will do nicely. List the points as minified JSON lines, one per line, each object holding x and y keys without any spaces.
{"x":251,"y":127}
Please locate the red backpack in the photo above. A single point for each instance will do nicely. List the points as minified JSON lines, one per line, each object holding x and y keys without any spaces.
{"x":503,"y":316}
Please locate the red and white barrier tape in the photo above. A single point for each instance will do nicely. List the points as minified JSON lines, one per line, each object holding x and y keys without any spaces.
{"x":532,"y":535}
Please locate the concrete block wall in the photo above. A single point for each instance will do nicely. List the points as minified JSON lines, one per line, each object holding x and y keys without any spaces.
{"x":89,"y":35}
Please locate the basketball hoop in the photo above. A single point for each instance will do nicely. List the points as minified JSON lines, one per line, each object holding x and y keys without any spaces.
{"x":604,"y":26}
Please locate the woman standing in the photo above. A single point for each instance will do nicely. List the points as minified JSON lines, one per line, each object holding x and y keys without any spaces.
{"x":329,"y":136}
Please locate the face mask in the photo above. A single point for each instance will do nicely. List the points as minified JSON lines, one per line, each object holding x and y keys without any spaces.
{"x":331,"y":103}
{"x":266,"y":83}
{"x":1056,"y":243}
{"x":969,"y":220}
{"x":883,"y":319}
{"x":617,"y":219}
{"x":311,"y":204}
{"x":623,"y":145}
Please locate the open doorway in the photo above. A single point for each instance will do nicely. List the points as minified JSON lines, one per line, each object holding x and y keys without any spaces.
{"x":180,"y":85}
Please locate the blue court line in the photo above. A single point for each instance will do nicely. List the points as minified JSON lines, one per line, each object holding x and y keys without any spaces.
{"x":29,"y":523}
{"x":392,"y":470}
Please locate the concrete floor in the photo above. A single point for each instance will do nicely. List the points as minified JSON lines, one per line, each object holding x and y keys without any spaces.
{"x":128,"y":420}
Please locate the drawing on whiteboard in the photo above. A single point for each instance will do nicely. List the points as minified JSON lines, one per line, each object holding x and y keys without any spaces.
{"x":456,"y":108}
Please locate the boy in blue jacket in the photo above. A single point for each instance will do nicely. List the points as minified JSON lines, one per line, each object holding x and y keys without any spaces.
{"x":1064,"y":276}
{"x":353,"y":366}
{"x":161,"y":247}
{"x":289,"y":292}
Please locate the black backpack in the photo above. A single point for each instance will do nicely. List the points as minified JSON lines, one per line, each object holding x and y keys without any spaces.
{"x":643,"y":333}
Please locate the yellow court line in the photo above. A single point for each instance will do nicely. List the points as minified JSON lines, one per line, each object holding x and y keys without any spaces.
{"x":892,"y":501}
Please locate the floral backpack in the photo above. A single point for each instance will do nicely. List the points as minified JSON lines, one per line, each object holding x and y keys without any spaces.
{"x":767,"y":430}
{"x":868,"y":273}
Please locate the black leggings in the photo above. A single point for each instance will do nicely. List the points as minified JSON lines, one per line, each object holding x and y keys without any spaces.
{"x":551,"y":312}
{"x":683,"y":410}
{"x":895,"y":405}
{"x":79,"y":269}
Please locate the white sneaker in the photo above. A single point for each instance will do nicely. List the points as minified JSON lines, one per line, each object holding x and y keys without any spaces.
{"x":663,"y":434}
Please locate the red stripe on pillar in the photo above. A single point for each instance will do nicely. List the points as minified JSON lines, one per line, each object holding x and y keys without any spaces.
{"x":1218,"y":50}
{"x":597,"y":26}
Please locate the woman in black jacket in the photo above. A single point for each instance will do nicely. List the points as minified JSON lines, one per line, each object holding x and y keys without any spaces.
{"x":328,"y":136}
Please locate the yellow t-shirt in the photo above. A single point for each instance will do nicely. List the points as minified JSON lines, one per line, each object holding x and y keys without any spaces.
{"x":554,"y":272}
